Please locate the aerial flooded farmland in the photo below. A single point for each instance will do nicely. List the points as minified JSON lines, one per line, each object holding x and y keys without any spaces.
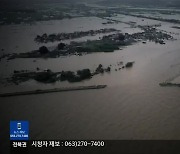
{"x":133,"y":50}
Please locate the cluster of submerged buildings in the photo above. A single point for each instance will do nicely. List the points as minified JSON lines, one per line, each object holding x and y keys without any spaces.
{"x":149,"y":33}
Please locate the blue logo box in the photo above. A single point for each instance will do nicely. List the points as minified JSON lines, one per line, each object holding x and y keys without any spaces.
{"x":19,"y":130}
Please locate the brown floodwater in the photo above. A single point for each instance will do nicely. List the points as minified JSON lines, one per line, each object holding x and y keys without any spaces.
{"x":133,"y":106}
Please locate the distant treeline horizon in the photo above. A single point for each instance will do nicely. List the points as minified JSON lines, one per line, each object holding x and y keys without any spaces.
{"x":168,"y":3}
